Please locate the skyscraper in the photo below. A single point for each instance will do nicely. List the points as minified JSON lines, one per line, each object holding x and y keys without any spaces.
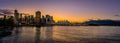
{"x":20,"y":18}
{"x":38,"y":16}
{"x":20,"y":15}
{"x":43,"y":20}
{"x":49,"y":19}
{"x":16,"y":16}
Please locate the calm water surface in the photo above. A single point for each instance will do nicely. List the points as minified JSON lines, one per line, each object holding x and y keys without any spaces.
{"x":64,"y":34}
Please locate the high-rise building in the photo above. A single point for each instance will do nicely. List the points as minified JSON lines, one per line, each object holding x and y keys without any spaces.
{"x":43,"y":20}
{"x":31,"y":19}
{"x":5,"y":16}
{"x":38,"y":16}
{"x":16,"y":16}
{"x":20,"y":15}
{"x":49,"y":19}
{"x":20,"y":18}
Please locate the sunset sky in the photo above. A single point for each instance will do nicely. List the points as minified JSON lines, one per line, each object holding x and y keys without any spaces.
{"x":72,"y":10}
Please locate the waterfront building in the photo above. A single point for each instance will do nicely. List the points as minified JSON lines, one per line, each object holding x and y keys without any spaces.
{"x":38,"y":17}
{"x":20,"y":18}
{"x":43,"y":20}
{"x":63,"y":22}
{"x":49,"y":19}
{"x":5,"y":16}
{"x":16,"y":16}
{"x":31,"y":19}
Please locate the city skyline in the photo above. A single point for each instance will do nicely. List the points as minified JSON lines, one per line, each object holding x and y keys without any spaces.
{"x":72,"y":10}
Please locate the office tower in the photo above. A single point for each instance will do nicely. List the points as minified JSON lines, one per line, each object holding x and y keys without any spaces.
{"x":20,"y":18}
{"x":43,"y":20}
{"x":31,"y":19}
{"x":49,"y":19}
{"x":5,"y":16}
{"x":38,"y":17}
{"x":16,"y":16}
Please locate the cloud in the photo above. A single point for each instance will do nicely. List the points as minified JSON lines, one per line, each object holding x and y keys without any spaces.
{"x":6,"y":12}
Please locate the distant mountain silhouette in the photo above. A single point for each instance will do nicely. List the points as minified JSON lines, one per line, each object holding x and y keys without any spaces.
{"x":103,"y":22}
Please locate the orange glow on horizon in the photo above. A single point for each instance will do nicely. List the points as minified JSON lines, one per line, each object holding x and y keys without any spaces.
{"x":71,"y":19}
{"x":58,"y":15}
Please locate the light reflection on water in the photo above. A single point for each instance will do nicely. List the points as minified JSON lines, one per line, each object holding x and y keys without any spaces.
{"x":64,"y":34}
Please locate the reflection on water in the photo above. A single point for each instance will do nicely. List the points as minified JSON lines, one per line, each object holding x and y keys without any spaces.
{"x":37,"y":37}
{"x":46,"y":34}
{"x":64,"y":34}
